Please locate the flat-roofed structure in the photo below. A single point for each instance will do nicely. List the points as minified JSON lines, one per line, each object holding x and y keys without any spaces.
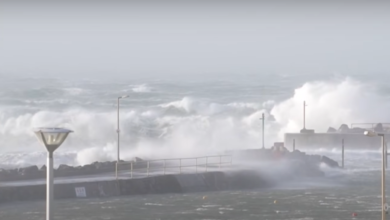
{"x":353,"y":137}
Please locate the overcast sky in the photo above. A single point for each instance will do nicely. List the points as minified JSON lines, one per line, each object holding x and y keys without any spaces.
{"x":188,"y":37}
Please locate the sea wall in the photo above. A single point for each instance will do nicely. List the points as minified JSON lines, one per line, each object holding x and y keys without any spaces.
{"x":180,"y":183}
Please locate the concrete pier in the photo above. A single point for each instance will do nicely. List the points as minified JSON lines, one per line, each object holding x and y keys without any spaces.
{"x":251,"y":170}
{"x":178,"y":183}
{"x":332,"y":140}
{"x":353,"y":136}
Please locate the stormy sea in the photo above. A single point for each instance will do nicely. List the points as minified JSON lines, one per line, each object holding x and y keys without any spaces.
{"x":182,"y":117}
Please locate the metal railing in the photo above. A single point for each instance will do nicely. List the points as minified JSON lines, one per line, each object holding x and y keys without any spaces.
{"x":173,"y":166}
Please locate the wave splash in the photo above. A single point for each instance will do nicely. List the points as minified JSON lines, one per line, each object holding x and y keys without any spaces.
{"x":189,"y":126}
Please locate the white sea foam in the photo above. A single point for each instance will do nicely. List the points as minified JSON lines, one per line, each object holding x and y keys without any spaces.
{"x":143,"y":88}
{"x":331,"y":103}
{"x":187,"y":126}
{"x":74,"y":91}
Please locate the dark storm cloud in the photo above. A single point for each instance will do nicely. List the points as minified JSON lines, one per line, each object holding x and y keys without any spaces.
{"x":161,"y":37}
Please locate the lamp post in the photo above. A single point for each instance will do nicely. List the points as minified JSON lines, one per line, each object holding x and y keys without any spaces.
{"x":374,"y":134}
{"x":262,"y":118}
{"x":304,"y":115}
{"x":51,"y":138}
{"x":118,"y":131}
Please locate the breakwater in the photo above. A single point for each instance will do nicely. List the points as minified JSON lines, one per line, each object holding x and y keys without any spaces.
{"x":237,"y":176}
{"x":178,"y":183}
{"x":126,"y":168}
{"x":164,"y":166}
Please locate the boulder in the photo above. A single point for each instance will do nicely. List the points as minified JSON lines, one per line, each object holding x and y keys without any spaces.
{"x":64,"y":167}
{"x":329,"y":162}
{"x":137,"y":159}
{"x":357,"y":130}
{"x":378,"y":128}
{"x":104,"y":166}
{"x":31,"y":170}
{"x":88,"y":167}
{"x":343,"y":128}
{"x":43,"y":168}
{"x":9,"y":174}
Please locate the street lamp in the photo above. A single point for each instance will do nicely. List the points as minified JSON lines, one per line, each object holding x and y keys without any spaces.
{"x":304,"y":115}
{"x":384,"y":206}
{"x":51,"y":138}
{"x":118,"y":131}
{"x":263,"y":119}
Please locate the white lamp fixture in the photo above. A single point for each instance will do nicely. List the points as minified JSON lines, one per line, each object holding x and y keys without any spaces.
{"x":384,"y":154}
{"x":372,"y":134}
{"x":51,"y":138}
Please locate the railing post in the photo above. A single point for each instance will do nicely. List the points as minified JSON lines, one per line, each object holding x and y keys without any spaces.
{"x":147,"y":169}
{"x":342,"y":153}
{"x":293,"y":145}
{"x":196,"y":165}
{"x":131,"y":170}
{"x":386,"y":154}
{"x":116,"y":170}
{"x":206,"y":163}
{"x":164,"y":166}
{"x":180,"y":166}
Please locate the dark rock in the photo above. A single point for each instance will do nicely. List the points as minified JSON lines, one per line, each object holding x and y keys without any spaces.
{"x":329,"y":162}
{"x":137,"y":159}
{"x":343,"y":128}
{"x":4,"y":174}
{"x":357,"y":130}
{"x":31,"y":170}
{"x":43,"y":168}
{"x":64,"y":167}
{"x":378,"y":127}
{"x":88,"y":167}
{"x":105,"y":165}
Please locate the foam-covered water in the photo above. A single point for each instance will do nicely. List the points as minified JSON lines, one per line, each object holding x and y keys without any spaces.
{"x":175,"y":117}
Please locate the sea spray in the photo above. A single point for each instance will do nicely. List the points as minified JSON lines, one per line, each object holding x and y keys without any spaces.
{"x":191,"y":125}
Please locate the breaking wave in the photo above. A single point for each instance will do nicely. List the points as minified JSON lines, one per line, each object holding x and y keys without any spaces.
{"x":142,"y":88}
{"x":187,"y":126}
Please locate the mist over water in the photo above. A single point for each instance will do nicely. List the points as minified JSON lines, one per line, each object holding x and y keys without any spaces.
{"x":175,"y":118}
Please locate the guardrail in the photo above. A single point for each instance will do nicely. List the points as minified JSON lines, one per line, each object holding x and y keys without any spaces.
{"x":173,"y":166}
